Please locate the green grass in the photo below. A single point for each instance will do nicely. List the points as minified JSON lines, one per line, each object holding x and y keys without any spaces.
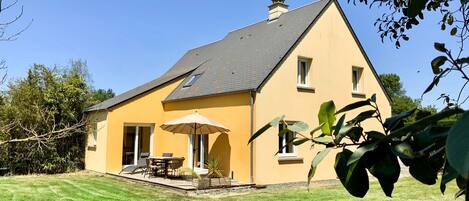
{"x":84,"y":186}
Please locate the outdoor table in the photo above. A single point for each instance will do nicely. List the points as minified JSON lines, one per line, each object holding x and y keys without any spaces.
{"x":165,"y":161}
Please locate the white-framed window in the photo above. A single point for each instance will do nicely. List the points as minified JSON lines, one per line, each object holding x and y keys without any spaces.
{"x":356,"y":79}
{"x":192,"y":80}
{"x":285,"y":143}
{"x":304,"y":66}
{"x":94,"y":134}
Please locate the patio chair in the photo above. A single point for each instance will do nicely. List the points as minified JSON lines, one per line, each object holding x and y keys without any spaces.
{"x":141,"y":165}
{"x":175,"y":166}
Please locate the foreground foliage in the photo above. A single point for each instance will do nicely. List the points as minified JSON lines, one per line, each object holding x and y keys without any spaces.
{"x":423,"y":146}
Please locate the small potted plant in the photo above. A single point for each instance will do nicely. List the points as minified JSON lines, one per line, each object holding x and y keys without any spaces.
{"x":213,"y":179}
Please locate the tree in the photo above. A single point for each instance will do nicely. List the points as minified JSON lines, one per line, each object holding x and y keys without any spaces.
{"x":42,"y":122}
{"x":401,"y":102}
{"x":5,"y":35}
{"x":101,"y":95}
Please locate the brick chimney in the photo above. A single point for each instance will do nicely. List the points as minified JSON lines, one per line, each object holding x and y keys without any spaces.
{"x":277,"y":8}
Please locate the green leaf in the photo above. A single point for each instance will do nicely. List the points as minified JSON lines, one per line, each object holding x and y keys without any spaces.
{"x":355,"y":105}
{"x":385,"y":168}
{"x":403,"y":150}
{"x":422,"y":170}
{"x":316,"y":129}
{"x":437,"y":63}
{"x":283,"y":132}
{"x":454,"y":31}
{"x":464,"y":1}
{"x":362,"y":150}
{"x":391,"y":122}
{"x":298,"y":127}
{"x":327,"y":117}
{"x":375,"y":135}
{"x":300,"y":141}
{"x":363,"y":116}
{"x":430,"y":136}
{"x":355,"y":133}
{"x":440,"y":47}
{"x":457,"y":147}
{"x":339,"y":125}
{"x":464,"y":60}
{"x":273,"y":123}
{"x":449,"y":174}
{"x":415,"y":7}
{"x":460,"y":193}
{"x":314,"y":164}
{"x":343,"y":132}
{"x":324,"y":139}
{"x":353,"y":177}
{"x":340,"y":130}
{"x":450,"y":20}
{"x":422,"y":123}
{"x":373,"y":98}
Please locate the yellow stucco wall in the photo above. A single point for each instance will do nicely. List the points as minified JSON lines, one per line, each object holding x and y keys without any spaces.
{"x":334,"y":52}
{"x":231,"y":150}
{"x":146,"y":110}
{"x":230,"y":110}
{"x":95,"y":156}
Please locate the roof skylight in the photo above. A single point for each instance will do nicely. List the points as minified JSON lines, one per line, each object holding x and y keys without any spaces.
{"x":192,"y":80}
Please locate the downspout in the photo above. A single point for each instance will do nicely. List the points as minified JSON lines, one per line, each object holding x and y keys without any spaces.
{"x":251,"y":146}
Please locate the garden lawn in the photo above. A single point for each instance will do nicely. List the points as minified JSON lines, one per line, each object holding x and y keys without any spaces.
{"x":86,"y":186}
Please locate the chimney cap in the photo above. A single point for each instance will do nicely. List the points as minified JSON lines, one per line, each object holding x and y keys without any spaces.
{"x":278,"y":1}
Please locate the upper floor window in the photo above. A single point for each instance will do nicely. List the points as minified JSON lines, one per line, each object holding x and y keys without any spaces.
{"x":303,"y":71}
{"x":94,"y":134}
{"x":285,"y":142}
{"x":192,"y":80}
{"x":356,"y":79}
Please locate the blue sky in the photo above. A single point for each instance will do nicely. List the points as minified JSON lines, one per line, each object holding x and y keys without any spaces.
{"x":127,"y":43}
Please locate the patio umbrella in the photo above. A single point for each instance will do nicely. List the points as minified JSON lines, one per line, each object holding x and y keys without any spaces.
{"x":194,"y":124}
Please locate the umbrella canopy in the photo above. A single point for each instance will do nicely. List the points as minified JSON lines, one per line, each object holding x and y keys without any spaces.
{"x":194,"y":124}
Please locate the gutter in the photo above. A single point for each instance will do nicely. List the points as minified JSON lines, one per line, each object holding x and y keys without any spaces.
{"x":251,"y":146}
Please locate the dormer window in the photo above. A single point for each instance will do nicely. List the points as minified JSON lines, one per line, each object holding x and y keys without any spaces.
{"x":192,"y":80}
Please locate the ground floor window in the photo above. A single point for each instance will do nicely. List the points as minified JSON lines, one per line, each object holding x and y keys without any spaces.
{"x":285,"y":142}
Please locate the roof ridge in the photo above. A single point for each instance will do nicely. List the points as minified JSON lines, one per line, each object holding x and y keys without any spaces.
{"x":287,"y":13}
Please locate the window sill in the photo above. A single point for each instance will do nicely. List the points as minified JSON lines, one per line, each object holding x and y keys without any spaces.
{"x":289,"y":160}
{"x":358,"y":94}
{"x":91,"y":148}
{"x":306,"y":88}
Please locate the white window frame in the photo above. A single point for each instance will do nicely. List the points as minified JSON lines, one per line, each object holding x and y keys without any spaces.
{"x":308,"y":62}
{"x":359,"y":79}
{"x":94,"y":134}
{"x":136,"y":143}
{"x":284,"y":142}
{"x":191,"y":157}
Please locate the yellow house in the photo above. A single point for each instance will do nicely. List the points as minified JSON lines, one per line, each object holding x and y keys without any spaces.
{"x":288,"y":64}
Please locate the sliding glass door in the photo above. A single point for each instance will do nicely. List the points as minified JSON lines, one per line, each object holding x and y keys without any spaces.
{"x":199,"y":145}
{"x":137,"y":140}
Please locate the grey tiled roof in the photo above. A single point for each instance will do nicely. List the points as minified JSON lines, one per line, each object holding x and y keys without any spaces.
{"x":241,"y":61}
{"x":245,"y":57}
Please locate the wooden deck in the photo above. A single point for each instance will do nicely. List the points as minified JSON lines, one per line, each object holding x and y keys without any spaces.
{"x":179,"y":185}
